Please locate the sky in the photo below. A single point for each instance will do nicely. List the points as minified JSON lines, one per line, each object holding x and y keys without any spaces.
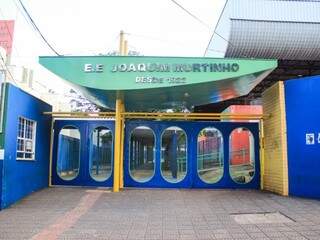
{"x":83,"y":27}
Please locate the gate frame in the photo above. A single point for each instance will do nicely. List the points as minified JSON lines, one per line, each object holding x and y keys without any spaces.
{"x":119,"y":116}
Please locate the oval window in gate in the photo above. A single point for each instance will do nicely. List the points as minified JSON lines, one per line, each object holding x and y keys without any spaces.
{"x":241,"y":155}
{"x":68,"y":161}
{"x":142,"y":151}
{"x":210,"y":155}
{"x":174,"y":154}
{"x":100,"y":154}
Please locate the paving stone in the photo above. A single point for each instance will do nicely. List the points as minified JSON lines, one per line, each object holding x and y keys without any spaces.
{"x":257,"y":235}
{"x":240,"y":236}
{"x":161,"y":214}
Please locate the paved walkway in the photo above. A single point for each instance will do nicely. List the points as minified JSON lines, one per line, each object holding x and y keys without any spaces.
{"x":78,"y":213}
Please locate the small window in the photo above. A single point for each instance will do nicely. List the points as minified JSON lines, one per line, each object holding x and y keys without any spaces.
{"x":68,"y":163}
{"x":142,"y":154}
{"x":174,"y":154}
{"x":241,"y":156}
{"x":26,"y":139}
{"x":210,"y":155}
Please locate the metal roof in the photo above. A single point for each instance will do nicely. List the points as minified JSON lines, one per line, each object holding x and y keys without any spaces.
{"x":287,"y":30}
{"x":280,"y":29}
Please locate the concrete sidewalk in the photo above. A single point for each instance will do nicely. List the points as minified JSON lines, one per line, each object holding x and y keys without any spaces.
{"x":80,"y":213}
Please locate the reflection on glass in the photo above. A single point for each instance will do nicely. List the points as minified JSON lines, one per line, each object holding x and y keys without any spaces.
{"x":210,"y":155}
{"x":68,"y":162}
{"x":100,"y":154}
{"x":174,"y":154}
{"x":142,"y":143}
{"x":241,"y":154}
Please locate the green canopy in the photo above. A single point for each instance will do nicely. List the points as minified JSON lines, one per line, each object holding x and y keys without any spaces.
{"x":148,"y":83}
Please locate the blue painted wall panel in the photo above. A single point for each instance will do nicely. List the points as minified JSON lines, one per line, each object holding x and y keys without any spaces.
{"x":303,"y":117}
{"x":23,"y":177}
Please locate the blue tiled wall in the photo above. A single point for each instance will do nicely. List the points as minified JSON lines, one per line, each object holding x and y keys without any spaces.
{"x":303,"y":117}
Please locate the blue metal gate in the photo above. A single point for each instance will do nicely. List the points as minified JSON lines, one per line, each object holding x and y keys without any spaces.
{"x":168,"y":154}
{"x":192,"y":177}
{"x":75,"y":153}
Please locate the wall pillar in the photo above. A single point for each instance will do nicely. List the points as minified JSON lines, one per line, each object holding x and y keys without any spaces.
{"x":275,"y":165}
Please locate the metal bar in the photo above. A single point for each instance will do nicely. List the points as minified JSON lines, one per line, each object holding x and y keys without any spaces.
{"x":117,"y":148}
{"x":164,"y":117}
{"x":169,"y":118}
{"x":98,"y":148}
{"x":200,"y":117}
{"x":84,"y":116}
{"x":80,"y":113}
{"x":122,"y":147}
{"x":195,"y":118}
{"x":262,"y":152}
{"x":192,"y":115}
{"x":211,"y":114}
{"x":158,"y":115}
{"x":51,"y":152}
{"x":152,"y":114}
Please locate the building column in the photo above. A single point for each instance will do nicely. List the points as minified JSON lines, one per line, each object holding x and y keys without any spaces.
{"x":118,"y":148}
{"x":275,"y":160}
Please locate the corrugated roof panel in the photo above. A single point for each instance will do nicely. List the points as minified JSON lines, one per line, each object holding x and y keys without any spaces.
{"x":279,"y":29}
{"x":270,"y":39}
{"x":301,"y":11}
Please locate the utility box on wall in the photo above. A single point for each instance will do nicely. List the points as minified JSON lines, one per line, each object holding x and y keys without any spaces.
{"x":303,"y":134}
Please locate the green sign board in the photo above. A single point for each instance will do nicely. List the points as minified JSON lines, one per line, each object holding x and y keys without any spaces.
{"x":173,"y":79}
